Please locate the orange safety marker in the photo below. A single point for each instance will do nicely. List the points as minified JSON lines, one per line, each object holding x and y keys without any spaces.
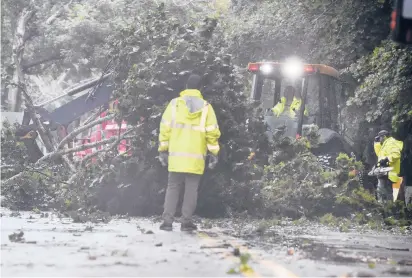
{"x":393,"y":20}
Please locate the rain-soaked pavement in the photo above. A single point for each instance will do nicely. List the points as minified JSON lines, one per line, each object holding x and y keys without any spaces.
{"x":52,"y":246}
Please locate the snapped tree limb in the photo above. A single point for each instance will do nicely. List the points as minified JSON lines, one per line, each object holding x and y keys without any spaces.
{"x":57,"y":14}
{"x":94,"y":116}
{"x":13,"y":178}
{"x":108,"y":148}
{"x":44,"y":133}
{"x":84,"y":147}
{"x":31,"y":64}
{"x":33,"y":170}
{"x":30,"y":170}
{"x":113,"y":145}
{"x":7,"y":166}
{"x":79,"y":130}
{"x":62,"y":153}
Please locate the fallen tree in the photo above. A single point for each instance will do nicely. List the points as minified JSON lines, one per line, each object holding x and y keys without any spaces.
{"x":153,"y":56}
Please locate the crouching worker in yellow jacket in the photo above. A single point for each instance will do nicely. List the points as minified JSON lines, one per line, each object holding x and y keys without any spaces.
{"x":388,"y":150}
{"x":188,"y":130}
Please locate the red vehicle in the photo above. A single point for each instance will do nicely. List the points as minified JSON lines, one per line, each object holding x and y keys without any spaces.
{"x":77,"y":102}
{"x":105,"y":130}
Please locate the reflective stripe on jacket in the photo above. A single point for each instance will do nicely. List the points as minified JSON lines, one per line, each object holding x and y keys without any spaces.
{"x":390,"y":148}
{"x":294,"y":106}
{"x":188,"y":130}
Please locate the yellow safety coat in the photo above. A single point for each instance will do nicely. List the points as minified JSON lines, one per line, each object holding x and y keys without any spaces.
{"x":294,"y":107}
{"x":188,"y":130}
{"x":390,"y":148}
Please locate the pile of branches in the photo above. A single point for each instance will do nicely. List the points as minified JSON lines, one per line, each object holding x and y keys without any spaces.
{"x":55,"y":180}
{"x":296,"y":184}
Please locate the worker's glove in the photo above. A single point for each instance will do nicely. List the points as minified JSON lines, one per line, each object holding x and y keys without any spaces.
{"x":163,"y":158}
{"x":377,"y":139}
{"x":213,"y":159}
{"x":384,"y":162}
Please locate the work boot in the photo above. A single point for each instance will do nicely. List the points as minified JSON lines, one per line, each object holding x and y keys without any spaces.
{"x":166,"y":226}
{"x":188,"y":227}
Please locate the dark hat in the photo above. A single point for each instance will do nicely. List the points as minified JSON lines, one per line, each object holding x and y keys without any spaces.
{"x":194,"y":82}
{"x":383,"y":133}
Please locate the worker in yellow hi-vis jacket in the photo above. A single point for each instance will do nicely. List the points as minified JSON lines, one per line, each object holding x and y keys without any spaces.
{"x":388,"y":150}
{"x":188,"y":130}
{"x":289,"y":104}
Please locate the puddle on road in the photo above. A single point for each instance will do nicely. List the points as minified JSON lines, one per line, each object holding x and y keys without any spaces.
{"x":341,"y":252}
{"x":381,"y":253}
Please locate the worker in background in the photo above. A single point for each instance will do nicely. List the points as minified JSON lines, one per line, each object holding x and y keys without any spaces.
{"x":290,"y":103}
{"x":388,"y":150}
{"x":188,"y":130}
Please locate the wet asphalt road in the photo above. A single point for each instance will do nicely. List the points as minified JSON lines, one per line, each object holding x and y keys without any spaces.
{"x":118,"y":248}
{"x":58,"y":247}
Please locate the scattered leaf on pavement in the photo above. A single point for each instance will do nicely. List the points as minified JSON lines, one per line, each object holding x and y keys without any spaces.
{"x":16,"y":237}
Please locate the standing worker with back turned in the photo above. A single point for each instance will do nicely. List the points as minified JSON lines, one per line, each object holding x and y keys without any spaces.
{"x":188,"y":130}
{"x":388,"y":150}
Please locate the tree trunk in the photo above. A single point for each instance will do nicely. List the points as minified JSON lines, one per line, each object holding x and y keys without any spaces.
{"x":15,"y":93}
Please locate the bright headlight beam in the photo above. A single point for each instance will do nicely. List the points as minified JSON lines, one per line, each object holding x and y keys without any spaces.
{"x":293,"y":68}
{"x":266,"y":68}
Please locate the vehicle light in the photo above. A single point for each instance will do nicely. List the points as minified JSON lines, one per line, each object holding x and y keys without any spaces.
{"x":266,"y":68}
{"x":309,"y":69}
{"x":393,"y":20}
{"x":293,"y":68}
{"x":253,"y":67}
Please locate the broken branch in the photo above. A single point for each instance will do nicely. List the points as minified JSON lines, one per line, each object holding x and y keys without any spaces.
{"x":83,"y":147}
{"x":53,"y":17}
{"x":44,"y":135}
{"x":54,"y":57}
{"x":112,"y":146}
{"x":79,"y":130}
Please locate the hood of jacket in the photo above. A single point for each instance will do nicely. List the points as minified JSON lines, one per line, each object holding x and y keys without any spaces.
{"x":193,"y":103}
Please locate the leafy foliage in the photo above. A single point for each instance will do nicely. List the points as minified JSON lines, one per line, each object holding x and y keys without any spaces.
{"x":385,"y":84}
{"x":325,"y":31}
{"x":14,"y":153}
{"x":37,"y":187}
{"x":295,"y":183}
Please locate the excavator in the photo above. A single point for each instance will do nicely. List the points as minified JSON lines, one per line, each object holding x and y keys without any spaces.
{"x":321,"y":92}
{"x":77,"y":102}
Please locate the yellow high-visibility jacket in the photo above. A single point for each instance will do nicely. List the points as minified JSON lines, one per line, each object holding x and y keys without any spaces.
{"x":294,"y":107}
{"x":188,"y":130}
{"x":390,"y":148}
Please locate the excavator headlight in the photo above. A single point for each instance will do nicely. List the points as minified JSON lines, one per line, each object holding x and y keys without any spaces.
{"x":266,"y":68}
{"x":293,"y":68}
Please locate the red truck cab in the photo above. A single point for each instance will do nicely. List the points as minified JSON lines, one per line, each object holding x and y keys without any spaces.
{"x":105,"y":130}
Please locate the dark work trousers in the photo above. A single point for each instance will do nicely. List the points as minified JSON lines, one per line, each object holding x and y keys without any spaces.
{"x":384,"y":190}
{"x":191,"y":185}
